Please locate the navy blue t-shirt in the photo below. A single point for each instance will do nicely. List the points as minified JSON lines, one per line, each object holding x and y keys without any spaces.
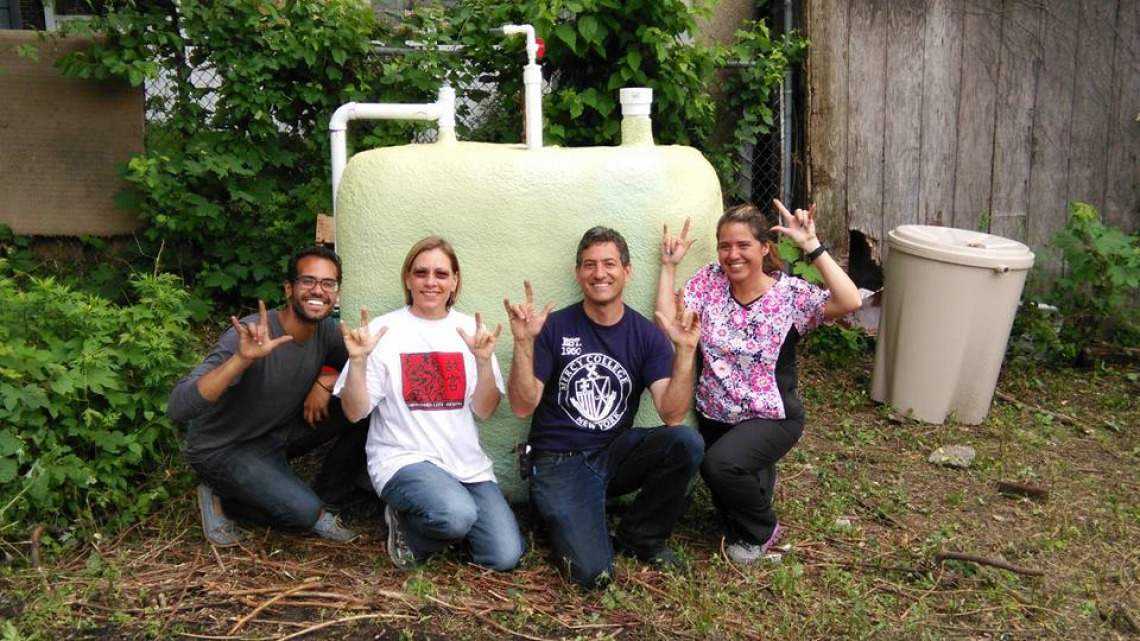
{"x":594,"y":376}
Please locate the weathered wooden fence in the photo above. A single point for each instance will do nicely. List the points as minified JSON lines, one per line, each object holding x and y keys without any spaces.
{"x":976,"y":114}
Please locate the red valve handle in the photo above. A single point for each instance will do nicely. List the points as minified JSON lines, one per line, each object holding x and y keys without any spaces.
{"x":541,"y":47}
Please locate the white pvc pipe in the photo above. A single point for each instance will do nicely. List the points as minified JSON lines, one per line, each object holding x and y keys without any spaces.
{"x":442,"y":111}
{"x":532,"y":85}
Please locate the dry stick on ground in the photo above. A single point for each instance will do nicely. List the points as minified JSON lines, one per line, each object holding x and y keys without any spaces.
{"x":1063,"y":418}
{"x":358,"y":617}
{"x":186,"y":582}
{"x":958,"y":556}
{"x":247,"y":618}
{"x":1022,"y":489}
{"x":481,"y":617}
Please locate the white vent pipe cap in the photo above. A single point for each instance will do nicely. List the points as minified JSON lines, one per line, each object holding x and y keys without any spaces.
{"x":636,"y":101}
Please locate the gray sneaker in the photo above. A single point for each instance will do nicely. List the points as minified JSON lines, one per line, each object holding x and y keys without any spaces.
{"x":328,"y":526}
{"x":219,"y":528}
{"x":745,"y":553}
{"x":398,"y":550}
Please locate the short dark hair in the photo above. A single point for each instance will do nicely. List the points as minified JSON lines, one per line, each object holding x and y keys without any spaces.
{"x":598,"y":236}
{"x":316,"y":250}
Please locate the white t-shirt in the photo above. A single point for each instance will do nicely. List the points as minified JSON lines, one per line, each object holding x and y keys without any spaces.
{"x":421,"y":377}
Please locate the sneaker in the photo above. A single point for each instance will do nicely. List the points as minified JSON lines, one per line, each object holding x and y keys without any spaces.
{"x":666,"y":560}
{"x":220,"y":530}
{"x":328,"y":526}
{"x":745,"y":553}
{"x":398,"y":549}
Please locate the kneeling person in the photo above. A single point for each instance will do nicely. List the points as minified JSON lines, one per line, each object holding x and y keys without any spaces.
{"x":423,"y":373}
{"x":258,"y":400}
{"x":581,"y":371}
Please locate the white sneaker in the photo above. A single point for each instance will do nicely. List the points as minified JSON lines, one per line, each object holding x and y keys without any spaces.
{"x":328,"y":526}
{"x":745,"y":553}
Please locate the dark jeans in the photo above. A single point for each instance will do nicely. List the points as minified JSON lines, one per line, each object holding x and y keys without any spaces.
{"x":740,"y":471}
{"x":256,"y":484}
{"x":569,"y":492}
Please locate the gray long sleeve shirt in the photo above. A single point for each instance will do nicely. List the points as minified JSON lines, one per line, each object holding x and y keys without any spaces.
{"x":267,"y":396}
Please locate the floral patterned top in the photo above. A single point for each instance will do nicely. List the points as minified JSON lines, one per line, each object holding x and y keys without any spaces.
{"x":741,"y":343}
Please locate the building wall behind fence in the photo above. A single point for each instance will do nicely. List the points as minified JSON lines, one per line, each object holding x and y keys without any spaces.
{"x":975,"y":114}
{"x":60,"y":139}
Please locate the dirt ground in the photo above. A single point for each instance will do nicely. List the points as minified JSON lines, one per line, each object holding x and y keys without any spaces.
{"x":871,"y":532}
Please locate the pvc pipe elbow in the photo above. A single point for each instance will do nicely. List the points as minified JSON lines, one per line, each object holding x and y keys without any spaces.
{"x":340,"y":117}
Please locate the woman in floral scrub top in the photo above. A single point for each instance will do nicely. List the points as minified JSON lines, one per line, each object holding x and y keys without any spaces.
{"x":752,"y":315}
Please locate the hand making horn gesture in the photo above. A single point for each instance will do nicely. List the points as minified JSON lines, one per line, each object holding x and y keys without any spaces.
{"x":360,"y":341}
{"x":482,"y":344}
{"x":254,"y":341}
{"x":673,"y":248}
{"x":800,"y":226}
{"x":525,"y":321}
{"x":684,"y":329}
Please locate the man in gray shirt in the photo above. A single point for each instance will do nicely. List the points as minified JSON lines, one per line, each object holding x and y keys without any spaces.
{"x":259,"y":399}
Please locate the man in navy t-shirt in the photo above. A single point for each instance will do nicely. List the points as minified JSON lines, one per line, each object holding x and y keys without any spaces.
{"x":581,"y":371}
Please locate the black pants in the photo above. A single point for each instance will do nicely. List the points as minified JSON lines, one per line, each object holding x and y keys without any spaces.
{"x":739,"y":469}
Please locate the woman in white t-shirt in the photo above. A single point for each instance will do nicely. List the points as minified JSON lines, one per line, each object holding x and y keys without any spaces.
{"x":425,"y":372}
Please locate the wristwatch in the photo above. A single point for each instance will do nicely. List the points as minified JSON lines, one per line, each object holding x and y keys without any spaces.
{"x":816,"y":253}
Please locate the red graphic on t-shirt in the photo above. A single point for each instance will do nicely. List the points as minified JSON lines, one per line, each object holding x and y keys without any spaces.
{"x":434,"y":380}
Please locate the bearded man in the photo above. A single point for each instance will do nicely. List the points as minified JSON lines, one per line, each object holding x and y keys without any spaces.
{"x":263,"y":396}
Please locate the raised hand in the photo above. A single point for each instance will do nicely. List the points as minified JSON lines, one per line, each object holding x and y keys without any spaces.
{"x":800,"y":226}
{"x":684,"y":329}
{"x":361,"y":341}
{"x":482,"y":343}
{"x":254,"y":341}
{"x":525,"y":321}
{"x":673,"y":248}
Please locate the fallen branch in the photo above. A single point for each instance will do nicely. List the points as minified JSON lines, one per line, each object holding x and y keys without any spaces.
{"x":358,"y":617}
{"x":1022,"y":489}
{"x":944,"y":556}
{"x":252,"y":615}
{"x":1057,"y":416}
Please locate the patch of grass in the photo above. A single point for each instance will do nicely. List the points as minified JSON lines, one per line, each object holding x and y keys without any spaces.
{"x":875,"y":579}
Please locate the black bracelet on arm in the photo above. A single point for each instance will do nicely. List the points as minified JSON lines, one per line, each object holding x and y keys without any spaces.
{"x":324,"y":387}
{"x":816,"y":253}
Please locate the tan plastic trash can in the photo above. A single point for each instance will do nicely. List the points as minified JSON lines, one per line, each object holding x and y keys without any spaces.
{"x":949,"y":298}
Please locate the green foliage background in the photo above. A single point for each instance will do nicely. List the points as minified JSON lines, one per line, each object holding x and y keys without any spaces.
{"x":1093,"y":296}
{"x":236,"y":169}
{"x":83,"y":387}
{"x":229,"y":191}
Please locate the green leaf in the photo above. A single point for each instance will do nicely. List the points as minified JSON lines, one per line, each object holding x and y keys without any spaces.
{"x":588,"y":29}
{"x":9,"y":443}
{"x":566,"y":34}
{"x":633,"y":59}
{"x":8,"y":469}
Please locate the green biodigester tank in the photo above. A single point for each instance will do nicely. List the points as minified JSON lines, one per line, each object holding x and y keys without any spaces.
{"x":515,"y":214}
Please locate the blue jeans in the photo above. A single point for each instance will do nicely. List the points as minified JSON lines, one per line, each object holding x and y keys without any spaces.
{"x":569,"y":491}
{"x":438,"y":511}
{"x":256,"y":484}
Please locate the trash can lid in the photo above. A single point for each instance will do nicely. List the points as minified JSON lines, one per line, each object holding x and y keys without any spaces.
{"x":960,"y":246}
